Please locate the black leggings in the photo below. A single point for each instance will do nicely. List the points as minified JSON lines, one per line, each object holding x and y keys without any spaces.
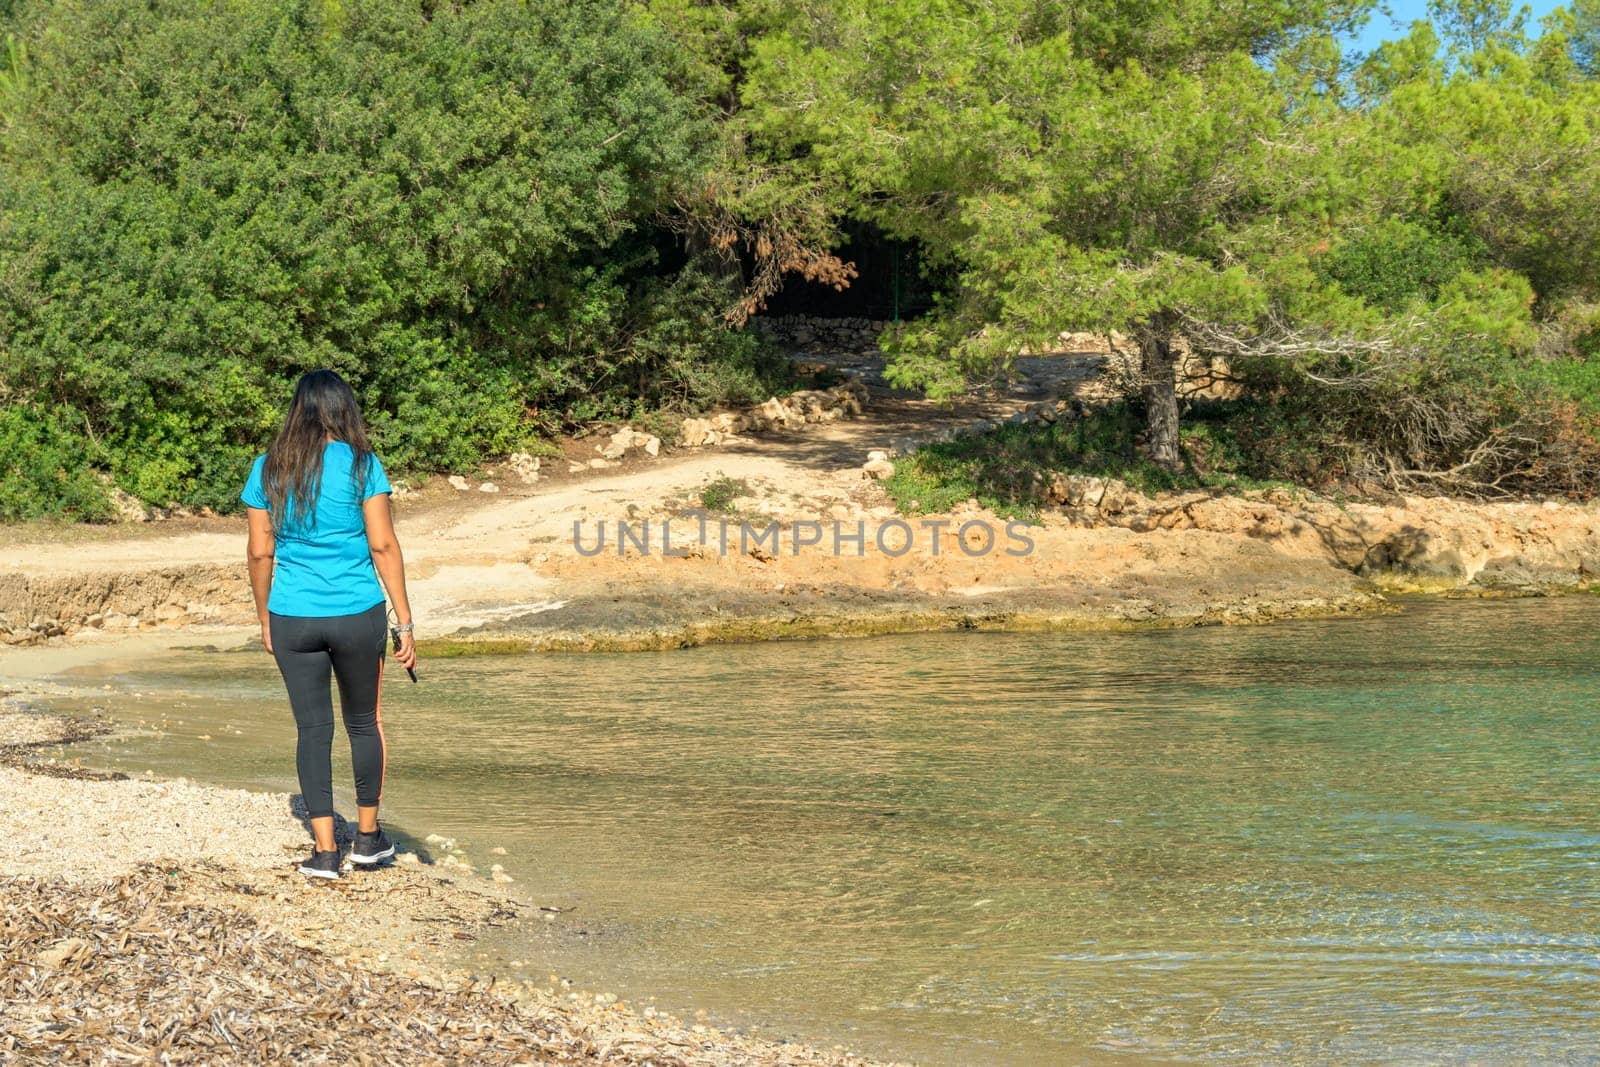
{"x":351,"y":647}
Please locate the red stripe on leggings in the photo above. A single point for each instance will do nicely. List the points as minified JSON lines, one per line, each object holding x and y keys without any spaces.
{"x":383,"y":745}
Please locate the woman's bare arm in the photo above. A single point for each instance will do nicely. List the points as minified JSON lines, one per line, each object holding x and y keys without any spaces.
{"x":258,"y":552}
{"x":391,"y":565}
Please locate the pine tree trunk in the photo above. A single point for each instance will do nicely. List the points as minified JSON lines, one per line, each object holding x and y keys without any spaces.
{"x":1159,"y":373}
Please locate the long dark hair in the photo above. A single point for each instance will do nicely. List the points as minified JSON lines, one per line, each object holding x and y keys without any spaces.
{"x":324,"y":408}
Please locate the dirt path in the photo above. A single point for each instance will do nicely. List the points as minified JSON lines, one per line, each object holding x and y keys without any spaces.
{"x":439,"y":519}
{"x":469,"y":554}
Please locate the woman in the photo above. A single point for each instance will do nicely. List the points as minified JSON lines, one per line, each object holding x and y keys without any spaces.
{"x":320,"y":537}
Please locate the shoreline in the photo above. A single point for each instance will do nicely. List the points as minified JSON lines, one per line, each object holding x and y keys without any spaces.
{"x":646,"y":619}
{"x":273,"y":916}
{"x":500,"y":576}
{"x":106,"y":905}
{"x":821,"y":622}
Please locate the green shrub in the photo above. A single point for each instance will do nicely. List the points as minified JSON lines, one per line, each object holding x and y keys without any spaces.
{"x":1576,"y":379}
{"x":717,"y":496}
{"x":44,"y":468}
{"x":1395,"y":262}
{"x":1009,"y":469}
{"x":452,"y":205}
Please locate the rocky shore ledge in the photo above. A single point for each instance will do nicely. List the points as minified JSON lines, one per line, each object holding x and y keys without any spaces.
{"x":148,"y":921}
{"x":1104,"y":557}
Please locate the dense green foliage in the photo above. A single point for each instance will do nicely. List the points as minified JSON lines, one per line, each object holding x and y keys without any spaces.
{"x":42,"y":469}
{"x":1396,"y":261}
{"x":451,"y":206}
{"x":499,"y":218}
{"x":1400,"y":250}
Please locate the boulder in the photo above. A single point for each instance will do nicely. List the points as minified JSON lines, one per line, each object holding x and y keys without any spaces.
{"x":695,"y":432}
{"x":127,"y":506}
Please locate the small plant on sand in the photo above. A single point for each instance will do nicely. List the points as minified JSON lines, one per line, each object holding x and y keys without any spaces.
{"x":717,"y":496}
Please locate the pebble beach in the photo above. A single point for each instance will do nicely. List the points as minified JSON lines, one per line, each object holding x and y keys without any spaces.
{"x":164,"y":921}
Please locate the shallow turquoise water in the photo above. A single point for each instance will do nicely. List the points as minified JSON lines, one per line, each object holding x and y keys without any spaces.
{"x":1368,"y":840}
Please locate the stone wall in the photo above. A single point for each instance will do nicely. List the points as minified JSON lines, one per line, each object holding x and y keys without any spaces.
{"x":801,"y":332}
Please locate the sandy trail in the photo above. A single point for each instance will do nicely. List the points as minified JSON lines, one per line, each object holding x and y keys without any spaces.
{"x":440,"y":525}
{"x":470,"y":555}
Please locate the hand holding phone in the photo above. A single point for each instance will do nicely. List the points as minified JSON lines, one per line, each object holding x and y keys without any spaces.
{"x":395,"y":633}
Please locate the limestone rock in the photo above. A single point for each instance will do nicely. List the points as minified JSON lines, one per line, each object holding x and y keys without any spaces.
{"x":627,"y":438}
{"x":127,"y":506}
{"x":776,"y":413}
{"x":878,"y":468}
{"x":525,"y":466}
{"x":696,"y":432}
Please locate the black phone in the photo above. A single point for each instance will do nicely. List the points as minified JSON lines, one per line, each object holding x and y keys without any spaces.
{"x":396,"y":635}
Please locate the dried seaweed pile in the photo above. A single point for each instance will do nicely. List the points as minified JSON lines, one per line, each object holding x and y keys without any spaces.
{"x":22,"y":734}
{"x":137,"y":971}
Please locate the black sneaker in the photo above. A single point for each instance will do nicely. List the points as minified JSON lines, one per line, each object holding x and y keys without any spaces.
{"x":371,"y":848}
{"x":321,"y":865}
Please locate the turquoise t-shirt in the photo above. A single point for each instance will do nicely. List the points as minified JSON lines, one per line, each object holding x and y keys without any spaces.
{"x":324,"y":567}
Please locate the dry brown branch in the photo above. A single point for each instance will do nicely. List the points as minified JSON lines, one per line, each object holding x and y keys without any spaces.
{"x":1371,"y":357}
{"x":789,"y":240}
